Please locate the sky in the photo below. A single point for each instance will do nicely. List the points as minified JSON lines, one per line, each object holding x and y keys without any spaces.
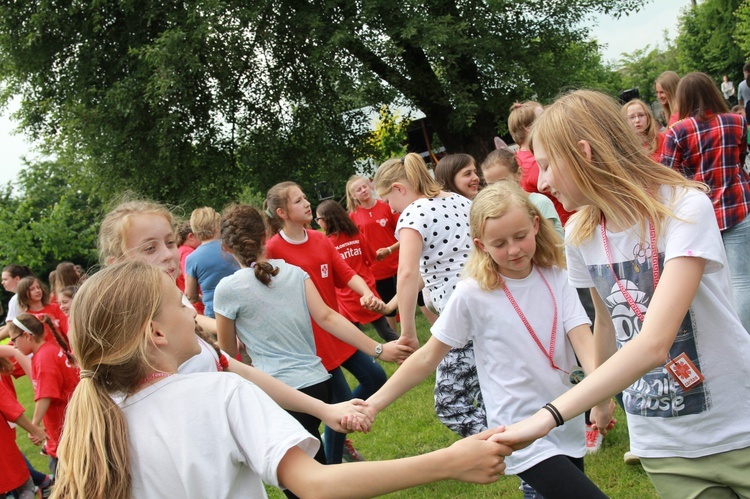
{"x":623,"y":35}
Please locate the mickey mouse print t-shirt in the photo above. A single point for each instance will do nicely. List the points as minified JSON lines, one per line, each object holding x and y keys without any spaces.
{"x":443,"y":224}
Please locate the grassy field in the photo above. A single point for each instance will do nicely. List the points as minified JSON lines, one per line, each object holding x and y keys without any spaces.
{"x":409,"y":427}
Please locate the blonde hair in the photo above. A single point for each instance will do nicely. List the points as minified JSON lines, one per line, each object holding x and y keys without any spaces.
{"x":110,"y":326}
{"x":620,"y":179}
{"x":351,"y":202}
{"x":495,"y":201}
{"x":114,"y":228}
{"x":522,"y":115}
{"x":668,"y":81}
{"x":412,"y":170}
{"x":277,"y":197}
{"x":205,"y":223}
{"x":650,"y":133}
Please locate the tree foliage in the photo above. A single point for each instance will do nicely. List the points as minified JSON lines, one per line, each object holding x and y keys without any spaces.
{"x":706,"y":41}
{"x":641,"y":67}
{"x":55,"y":218}
{"x":192,"y":101}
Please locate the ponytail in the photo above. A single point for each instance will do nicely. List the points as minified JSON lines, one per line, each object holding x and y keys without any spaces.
{"x":49,"y":325}
{"x":410,"y":169}
{"x":277,"y":197}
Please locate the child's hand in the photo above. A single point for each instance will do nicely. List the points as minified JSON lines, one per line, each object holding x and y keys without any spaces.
{"x":602,"y":416}
{"x":371,"y":302}
{"x":395,"y":352}
{"x":382,"y":253}
{"x":478,"y":458}
{"x":409,"y":341}
{"x":346,"y":417}
{"x":523,"y":433}
{"x":38,"y":436}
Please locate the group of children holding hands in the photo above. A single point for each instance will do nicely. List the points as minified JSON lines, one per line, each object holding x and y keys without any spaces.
{"x":510,"y":336}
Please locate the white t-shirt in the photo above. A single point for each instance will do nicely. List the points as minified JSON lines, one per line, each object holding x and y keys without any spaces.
{"x":208,"y":435}
{"x":274,"y":323}
{"x":514,"y":374}
{"x":443,"y":224}
{"x":663,"y":419}
{"x":13,"y":310}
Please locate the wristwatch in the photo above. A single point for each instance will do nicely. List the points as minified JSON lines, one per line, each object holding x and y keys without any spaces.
{"x":378,"y":351}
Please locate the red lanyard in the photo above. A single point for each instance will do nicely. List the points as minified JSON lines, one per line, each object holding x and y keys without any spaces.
{"x":549,"y":354}
{"x":654,"y":265}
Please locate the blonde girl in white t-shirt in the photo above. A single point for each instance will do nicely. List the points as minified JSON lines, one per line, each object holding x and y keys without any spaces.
{"x":527,"y":325}
{"x":646,"y":242}
{"x":202,"y":434}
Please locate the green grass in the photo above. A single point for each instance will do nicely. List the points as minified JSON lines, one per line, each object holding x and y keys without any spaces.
{"x":409,"y":427}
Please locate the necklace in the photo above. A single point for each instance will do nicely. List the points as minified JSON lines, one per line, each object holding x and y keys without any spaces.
{"x":153,"y":376}
{"x":547,"y":353}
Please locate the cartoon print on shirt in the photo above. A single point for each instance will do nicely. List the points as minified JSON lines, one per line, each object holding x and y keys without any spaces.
{"x":656,"y":394}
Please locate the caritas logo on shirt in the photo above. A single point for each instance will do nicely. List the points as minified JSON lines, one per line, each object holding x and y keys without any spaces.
{"x":324,"y":270}
{"x":383,"y":221}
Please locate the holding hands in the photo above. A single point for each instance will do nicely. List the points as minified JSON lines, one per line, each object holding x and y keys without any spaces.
{"x":396,"y":351}
{"x":347,"y":417}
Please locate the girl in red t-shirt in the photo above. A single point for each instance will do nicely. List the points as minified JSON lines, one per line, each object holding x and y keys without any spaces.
{"x":34,"y":299}
{"x":353,"y":248}
{"x":53,"y":374}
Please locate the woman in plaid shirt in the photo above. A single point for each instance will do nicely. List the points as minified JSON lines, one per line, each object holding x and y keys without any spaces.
{"x":709,"y":145}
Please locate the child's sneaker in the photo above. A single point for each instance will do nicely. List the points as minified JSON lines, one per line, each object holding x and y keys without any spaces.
{"x":631,"y":459}
{"x":593,"y":439}
{"x":350,"y":453}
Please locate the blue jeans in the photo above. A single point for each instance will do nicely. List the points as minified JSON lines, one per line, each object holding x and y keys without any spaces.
{"x":737,"y":245}
{"x":371,"y":377}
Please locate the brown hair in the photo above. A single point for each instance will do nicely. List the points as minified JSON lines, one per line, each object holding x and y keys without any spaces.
{"x":39,"y":329}
{"x":698,"y":97}
{"x":243,"y":233}
{"x":112,"y":353}
{"x":505,"y":157}
{"x":448,"y":167}
{"x":15,"y":270}
{"x":336,"y":218}
{"x":66,"y":276}
{"x":277,"y":197}
{"x":668,"y":81}
{"x":522,"y":115}
{"x":23,"y":291}
{"x":183,"y":231}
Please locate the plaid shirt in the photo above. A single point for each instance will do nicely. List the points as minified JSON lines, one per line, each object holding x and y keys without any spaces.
{"x":713,"y":152}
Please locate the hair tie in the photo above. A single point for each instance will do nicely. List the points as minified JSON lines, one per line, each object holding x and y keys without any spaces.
{"x":85,"y":373}
{"x":402,"y":159}
{"x":517,"y":105}
{"x":268,"y":213}
{"x":21,"y":326}
{"x":252,"y":265}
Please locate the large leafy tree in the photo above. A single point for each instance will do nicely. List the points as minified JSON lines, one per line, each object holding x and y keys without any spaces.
{"x":193,"y":101}
{"x":706,"y":41}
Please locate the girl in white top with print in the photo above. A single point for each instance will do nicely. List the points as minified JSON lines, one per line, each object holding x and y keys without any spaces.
{"x":527,"y":325}
{"x":646,"y":242}
{"x":202,"y":434}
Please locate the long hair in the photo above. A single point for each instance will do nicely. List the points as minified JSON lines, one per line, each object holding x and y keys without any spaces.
{"x":698,"y":97}
{"x":522,"y":115}
{"x":650,"y":133}
{"x":668,"y":81}
{"x":22,"y":291}
{"x":410,"y":169}
{"x":114,"y":227}
{"x":493,"y":202}
{"x":65,"y":276}
{"x":277,"y":197}
{"x":110,"y":336}
{"x":336,"y":218}
{"x":243,"y":233}
{"x":448,"y":167}
{"x":351,"y":202}
{"x":620,"y":179}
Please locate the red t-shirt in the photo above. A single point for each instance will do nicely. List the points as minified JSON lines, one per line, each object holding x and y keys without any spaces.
{"x":13,"y":470}
{"x":378,"y":225}
{"x":358,"y":255}
{"x":54,"y":378}
{"x":328,"y":270}
{"x":59,"y":319}
{"x":185,"y":250}
{"x":530,"y":179}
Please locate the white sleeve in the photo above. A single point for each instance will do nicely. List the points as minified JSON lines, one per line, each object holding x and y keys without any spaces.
{"x":454,"y":326}
{"x":264,"y":432}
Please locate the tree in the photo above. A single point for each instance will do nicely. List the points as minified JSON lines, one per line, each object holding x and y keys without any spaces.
{"x":641,"y":68}
{"x":706,"y":40}
{"x":188,"y":101}
{"x":51,"y":219}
